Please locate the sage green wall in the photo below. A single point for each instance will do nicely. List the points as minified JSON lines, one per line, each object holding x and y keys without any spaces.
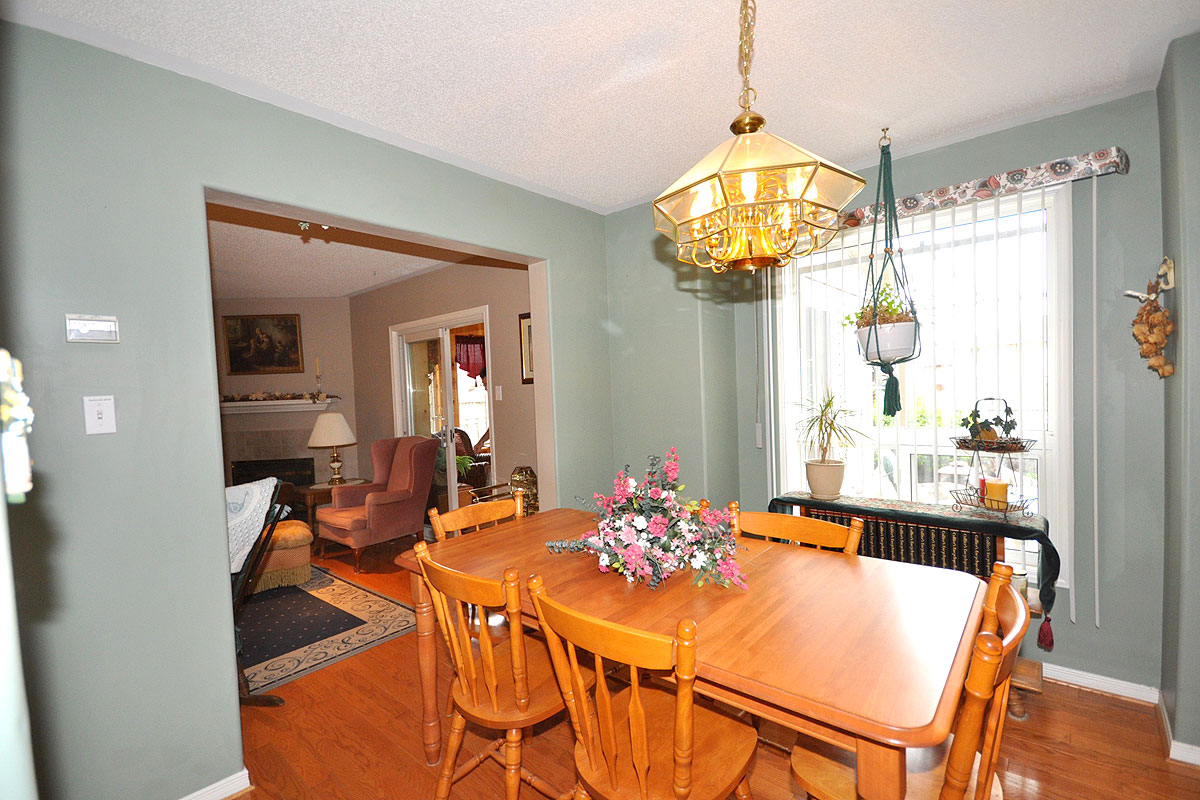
{"x":672,"y":360}
{"x":1179,"y":118}
{"x":1128,"y":644}
{"x":121,"y":557}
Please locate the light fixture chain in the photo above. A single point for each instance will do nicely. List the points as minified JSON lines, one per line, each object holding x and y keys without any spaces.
{"x":746,"y":52}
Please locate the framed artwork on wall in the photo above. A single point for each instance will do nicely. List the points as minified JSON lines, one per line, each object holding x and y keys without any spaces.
{"x":526,"y":348}
{"x":262,"y":344}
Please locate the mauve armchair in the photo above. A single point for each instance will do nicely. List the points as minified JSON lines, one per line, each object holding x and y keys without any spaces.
{"x":391,"y":507}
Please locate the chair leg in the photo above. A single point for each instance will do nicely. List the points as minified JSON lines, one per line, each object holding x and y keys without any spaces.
{"x":450,"y":697}
{"x":457,"y":727}
{"x":512,"y":764}
{"x":357,"y":559}
{"x":743,"y":789}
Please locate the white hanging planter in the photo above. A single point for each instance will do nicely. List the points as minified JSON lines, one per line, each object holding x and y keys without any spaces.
{"x":888,"y":342}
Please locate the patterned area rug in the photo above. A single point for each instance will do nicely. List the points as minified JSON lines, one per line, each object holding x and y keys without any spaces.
{"x":294,"y":630}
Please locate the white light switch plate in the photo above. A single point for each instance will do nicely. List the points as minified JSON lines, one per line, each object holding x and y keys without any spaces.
{"x":499,"y":393}
{"x":99,"y":414}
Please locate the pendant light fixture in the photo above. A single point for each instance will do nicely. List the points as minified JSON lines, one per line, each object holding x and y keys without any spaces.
{"x":757,"y":200}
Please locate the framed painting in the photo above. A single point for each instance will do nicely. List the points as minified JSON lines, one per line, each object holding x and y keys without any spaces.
{"x":526,"y":348}
{"x":262,"y":344}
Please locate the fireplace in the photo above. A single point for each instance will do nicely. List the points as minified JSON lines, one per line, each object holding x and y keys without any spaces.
{"x":296,"y":471}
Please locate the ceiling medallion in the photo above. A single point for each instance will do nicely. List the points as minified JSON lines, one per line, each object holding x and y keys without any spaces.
{"x":757,"y":200}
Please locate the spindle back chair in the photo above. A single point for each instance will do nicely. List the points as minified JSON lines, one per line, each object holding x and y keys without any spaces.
{"x":499,"y":683}
{"x":624,"y":749}
{"x":475,"y":516}
{"x":801,"y":530}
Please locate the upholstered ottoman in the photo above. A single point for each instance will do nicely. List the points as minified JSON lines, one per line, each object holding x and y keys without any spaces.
{"x":287,"y":559}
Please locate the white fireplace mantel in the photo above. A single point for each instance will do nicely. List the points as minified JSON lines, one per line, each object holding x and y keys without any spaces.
{"x":272,"y":406}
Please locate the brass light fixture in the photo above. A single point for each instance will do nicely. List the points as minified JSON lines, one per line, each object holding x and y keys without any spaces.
{"x":757,"y":200}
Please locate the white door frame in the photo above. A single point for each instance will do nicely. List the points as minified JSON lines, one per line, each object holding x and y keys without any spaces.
{"x":439,"y":326}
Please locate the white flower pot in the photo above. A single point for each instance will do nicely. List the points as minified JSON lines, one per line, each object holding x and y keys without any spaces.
{"x":888,"y":342}
{"x":825,"y":478}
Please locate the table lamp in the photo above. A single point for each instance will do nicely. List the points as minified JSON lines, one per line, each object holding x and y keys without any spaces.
{"x":331,"y":430}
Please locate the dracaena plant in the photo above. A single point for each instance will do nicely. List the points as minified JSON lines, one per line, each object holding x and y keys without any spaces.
{"x":826,"y":426}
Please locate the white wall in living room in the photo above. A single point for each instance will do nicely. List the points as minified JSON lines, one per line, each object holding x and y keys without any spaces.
{"x":324,"y":334}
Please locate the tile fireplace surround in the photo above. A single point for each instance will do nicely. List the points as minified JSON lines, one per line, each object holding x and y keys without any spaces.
{"x":260,"y":445}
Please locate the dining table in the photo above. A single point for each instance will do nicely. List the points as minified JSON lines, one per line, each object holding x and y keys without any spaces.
{"x":864,"y":653}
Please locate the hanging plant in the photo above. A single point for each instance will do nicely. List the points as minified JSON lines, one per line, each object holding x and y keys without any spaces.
{"x":889,"y":332}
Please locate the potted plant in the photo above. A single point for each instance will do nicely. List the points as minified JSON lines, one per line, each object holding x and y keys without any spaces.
{"x":824,"y":429}
{"x":886,"y":329}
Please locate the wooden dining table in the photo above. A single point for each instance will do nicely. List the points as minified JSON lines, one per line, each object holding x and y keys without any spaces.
{"x":864,"y":653}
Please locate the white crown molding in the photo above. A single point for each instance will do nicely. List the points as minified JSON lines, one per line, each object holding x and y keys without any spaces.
{"x":237,"y":782}
{"x":23,"y":12}
{"x":1101,"y":683}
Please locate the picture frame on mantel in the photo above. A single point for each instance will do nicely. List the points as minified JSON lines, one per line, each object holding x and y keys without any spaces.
{"x":262,"y":344}
{"x":526,"y":347}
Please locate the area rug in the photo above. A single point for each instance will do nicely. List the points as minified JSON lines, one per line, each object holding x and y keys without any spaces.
{"x":294,"y":630}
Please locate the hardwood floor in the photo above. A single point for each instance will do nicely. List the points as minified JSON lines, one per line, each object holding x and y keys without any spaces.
{"x":351,"y":731}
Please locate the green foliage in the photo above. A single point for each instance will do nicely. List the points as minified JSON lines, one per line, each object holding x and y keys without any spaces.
{"x":825,"y":428}
{"x":976,"y":424}
{"x":462,"y":464}
{"x":886,"y":310}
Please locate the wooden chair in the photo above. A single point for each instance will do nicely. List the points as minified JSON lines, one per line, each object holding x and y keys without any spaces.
{"x":642,"y":742}
{"x":476,"y":516}
{"x":964,"y":765}
{"x":802,"y":530}
{"x":503,"y":685}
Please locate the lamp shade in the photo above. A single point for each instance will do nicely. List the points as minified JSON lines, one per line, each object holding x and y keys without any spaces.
{"x":331,"y":430}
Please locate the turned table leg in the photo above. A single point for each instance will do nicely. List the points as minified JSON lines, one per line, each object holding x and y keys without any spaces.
{"x":431,"y":727}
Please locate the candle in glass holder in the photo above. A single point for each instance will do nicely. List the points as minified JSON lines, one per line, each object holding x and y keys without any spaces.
{"x":997,"y":495}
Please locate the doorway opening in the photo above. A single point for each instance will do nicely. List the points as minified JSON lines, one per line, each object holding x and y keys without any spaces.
{"x":440,"y":388}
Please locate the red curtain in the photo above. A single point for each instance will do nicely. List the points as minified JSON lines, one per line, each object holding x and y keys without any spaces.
{"x":468,"y":354}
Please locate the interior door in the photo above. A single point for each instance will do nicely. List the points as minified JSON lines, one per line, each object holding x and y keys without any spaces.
{"x":429,"y":401}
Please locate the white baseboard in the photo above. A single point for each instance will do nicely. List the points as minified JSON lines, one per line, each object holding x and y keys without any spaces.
{"x":1101,"y":683}
{"x":1187,"y":753}
{"x":237,"y":782}
{"x":1180,"y":751}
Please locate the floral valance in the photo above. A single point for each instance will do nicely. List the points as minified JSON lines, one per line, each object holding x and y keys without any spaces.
{"x":1061,"y":170}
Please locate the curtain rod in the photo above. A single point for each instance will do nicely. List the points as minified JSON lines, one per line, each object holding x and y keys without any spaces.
{"x":1060,"y":170}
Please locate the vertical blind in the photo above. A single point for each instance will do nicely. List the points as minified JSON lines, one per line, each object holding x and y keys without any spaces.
{"x":991,"y":283}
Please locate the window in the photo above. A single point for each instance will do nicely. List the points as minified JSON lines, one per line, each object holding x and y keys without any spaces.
{"x":991,"y":282}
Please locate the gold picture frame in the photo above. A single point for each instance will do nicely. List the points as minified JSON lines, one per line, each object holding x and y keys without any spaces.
{"x":262,"y":344}
{"x":526,"y":326}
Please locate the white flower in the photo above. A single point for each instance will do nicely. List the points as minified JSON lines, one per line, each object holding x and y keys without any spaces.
{"x":640,"y":522}
{"x":643,"y":542}
{"x":632,"y":483}
{"x":604,"y":559}
{"x":699,"y":559}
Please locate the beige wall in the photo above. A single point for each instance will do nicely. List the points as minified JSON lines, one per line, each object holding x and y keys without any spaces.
{"x":449,"y":289}
{"x":324,"y":334}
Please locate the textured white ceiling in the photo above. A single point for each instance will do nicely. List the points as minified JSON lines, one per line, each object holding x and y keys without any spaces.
{"x":249,"y":262}
{"x":604,"y":103}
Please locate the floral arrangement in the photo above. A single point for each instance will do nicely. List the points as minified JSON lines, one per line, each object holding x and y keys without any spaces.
{"x":647,"y":531}
{"x":315,"y":397}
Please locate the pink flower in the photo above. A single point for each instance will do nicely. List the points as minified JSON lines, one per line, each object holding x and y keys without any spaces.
{"x":655,"y":493}
{"x":658,"y":525}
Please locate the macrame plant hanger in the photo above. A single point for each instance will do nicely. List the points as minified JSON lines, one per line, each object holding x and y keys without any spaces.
{"x":887,"y":283}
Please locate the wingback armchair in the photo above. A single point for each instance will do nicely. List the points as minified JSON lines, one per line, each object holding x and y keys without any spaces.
{"x":390,"y":507}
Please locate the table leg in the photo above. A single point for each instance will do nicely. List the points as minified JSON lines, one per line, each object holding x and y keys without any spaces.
{"x":882,"y":774}
{"x":431,"y":722}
